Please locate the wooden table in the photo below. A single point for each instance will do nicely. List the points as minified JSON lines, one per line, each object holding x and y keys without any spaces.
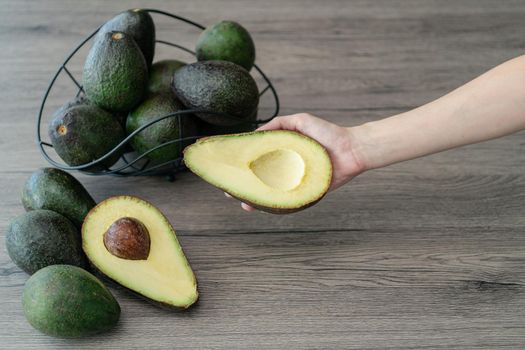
{"x":429,"y":254}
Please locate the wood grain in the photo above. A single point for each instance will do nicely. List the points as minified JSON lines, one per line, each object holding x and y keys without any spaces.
{"x":429,"y":254}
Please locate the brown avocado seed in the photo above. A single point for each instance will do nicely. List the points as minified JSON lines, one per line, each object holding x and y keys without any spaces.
{"x":128,"y":238}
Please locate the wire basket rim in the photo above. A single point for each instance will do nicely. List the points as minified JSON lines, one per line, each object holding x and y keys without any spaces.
{"x":157,"y":169}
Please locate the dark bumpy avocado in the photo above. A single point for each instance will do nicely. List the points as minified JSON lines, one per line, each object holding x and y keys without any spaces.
{"x":161,"y":75}
{"x":85,"y":133}
{"x":217,"y":86}
{"x":115,"y":73}
{"x":207,"y":129}
{"x":137,"y":23}
{"x":67,"y":302}
{"x":163,"y":131}
{"x":56,"y":190}
{"x":40,"y":238}
{"x":226,"y":41}
{"x":118,"y":231}
{"x":82,"y":100}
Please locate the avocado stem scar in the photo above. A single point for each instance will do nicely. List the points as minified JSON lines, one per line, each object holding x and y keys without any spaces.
{"x":62,"y":129}
{"x":117,"y":36}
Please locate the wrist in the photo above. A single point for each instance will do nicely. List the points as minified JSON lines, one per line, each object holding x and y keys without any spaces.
{"x":360,"y":143}
{"x":348,"y":145}
{"x":395,"y":139}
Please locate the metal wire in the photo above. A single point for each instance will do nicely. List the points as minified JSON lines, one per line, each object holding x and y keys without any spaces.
{"x":130,"y":166}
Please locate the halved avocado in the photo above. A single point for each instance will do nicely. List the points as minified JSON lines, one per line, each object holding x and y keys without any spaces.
{"x":276,"y":171}
{"x":131,"y":242}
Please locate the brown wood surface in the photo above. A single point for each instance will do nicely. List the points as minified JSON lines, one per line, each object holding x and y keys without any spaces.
{"x":429,"y":254}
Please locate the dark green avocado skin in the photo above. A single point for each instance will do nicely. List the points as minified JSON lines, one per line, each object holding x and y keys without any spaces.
{"x":68,"y":302}
{"x":217,"y":86}
{"x":115,"y":72}
{"x":139,"y":25}
{"x":57,"y":190}
{"x":152,"y":108}
{"x":82,"y":100}
{"x":40,"y":238}
{"x":226,"y":41}
{"x":161,"y":75}
{"x":207,"y":129}
{"x":85,"y":133}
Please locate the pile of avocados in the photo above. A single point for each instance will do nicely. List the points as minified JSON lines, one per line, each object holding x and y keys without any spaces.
{"x":64,"y":239}
{"x":124,"y":89}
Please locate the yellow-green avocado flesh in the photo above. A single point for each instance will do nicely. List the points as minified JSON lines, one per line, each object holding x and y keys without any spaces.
{"x":276,"y":171}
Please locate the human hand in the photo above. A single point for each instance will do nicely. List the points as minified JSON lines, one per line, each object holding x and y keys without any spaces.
{"x":337,"y":140}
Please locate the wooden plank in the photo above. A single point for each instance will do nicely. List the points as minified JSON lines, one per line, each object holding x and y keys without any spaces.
{"x":428,"y":254}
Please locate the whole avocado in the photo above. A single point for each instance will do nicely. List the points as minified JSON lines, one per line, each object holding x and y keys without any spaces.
{"x":68,"y":302}
{"x":40,"y":238}
{"x":82,"y":100}
{"x":168,"y":129}
{"x":219,"y":87}
{"x":85,"y":133}
{"x":207,"y":129}
{"x":161,"y":74}
{"x":137,"y":23}
{"x":115,"y":72}
{"x":226,"y":41}
{"x":56,"y":190}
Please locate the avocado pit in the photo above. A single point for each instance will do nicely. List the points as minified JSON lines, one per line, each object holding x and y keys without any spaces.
{"x":128,"y":238}
{"x":282,"y":169}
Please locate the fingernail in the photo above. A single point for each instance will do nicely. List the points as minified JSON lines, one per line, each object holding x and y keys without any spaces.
{"x":247,"y":207}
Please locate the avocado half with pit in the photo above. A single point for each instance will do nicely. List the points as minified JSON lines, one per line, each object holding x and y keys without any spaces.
{"x":131,"y":242}
{"x":275,"y":171}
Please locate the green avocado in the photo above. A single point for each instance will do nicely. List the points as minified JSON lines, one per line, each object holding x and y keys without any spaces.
{"x":40,"y":238}
{"x":163,"y":131}
{"x":217,"y":86}
{"x":82,"y":100}
{"x":115,"y":72}
{"x":161,"y":74}
{"x":68,"y":302}
{"x":137,"y":23}
{"x":56,"y":190}
{"x":85,"y":133}
{"x":207,"y":129}
{"x":226,"y":41}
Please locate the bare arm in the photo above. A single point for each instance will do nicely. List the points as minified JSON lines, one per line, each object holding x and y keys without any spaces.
{"x":490,"y":106}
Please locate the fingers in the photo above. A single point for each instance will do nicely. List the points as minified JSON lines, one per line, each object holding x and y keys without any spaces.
{"x":245,"y":206}
{"x":274,"y":124}
{"x":290,"y":122}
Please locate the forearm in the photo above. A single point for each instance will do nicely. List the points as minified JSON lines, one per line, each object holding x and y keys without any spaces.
{"x":490,"y":106}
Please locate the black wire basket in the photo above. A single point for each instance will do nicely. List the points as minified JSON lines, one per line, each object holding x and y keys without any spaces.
{"x":131,"y":164}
